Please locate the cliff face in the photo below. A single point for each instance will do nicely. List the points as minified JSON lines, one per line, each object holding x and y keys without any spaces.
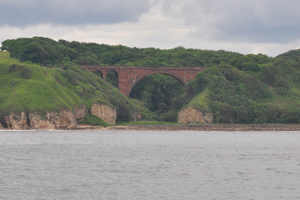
{"x":191,"y":115}
{"x":105,"y":112}
{"x":64,"y":119}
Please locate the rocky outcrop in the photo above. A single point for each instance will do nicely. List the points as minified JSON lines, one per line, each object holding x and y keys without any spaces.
{"x":135,"y":115}
{"x":80,"y":113}
{"x":138,"y":115}
{"x":193,"y":116}
{"x":63,"y":120}
{"x":37,"y":123}
{"x":105,"y":112}
{"x":17,"y":121}
{"x":209,"y":118}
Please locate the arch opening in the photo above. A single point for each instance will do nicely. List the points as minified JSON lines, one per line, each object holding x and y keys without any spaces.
{"x":159,"y":92}
{"x":175,"y":76}
{"x":113,"y":78}
{"x":98,"y":73}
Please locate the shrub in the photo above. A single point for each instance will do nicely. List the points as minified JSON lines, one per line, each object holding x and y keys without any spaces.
{"x":94,"y":120}
{"x":26,"y":73}
{"x":14,"y":68}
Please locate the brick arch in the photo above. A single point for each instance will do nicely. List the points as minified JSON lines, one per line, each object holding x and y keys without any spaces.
{"x":128,"y":76}
{"x":138,"y":78}
{"x":101,"y":73}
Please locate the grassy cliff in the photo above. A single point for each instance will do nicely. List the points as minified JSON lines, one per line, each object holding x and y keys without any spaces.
{"x":29,"y":87}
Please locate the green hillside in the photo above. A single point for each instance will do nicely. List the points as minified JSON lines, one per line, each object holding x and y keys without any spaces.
{"x":236,"y":88}
{"x":268,"y":95}
{"x":30,"y":87}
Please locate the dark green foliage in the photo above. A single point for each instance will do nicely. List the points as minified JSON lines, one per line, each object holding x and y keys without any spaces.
{"x":233,"y":94}
{"x":14,"y":68}
{"x":268,"y":75}
{"x":98,"y":73}
{"x":291,"y":55}
{"x":25,"y":71}
{"x":291,"y":115}
{"x":46,"y":51}
{"x":94,"y":120}
{"x":159,"y":93}
{"x":236,"y":96}
{"x":227,"y":113}
{"x":112,"y":78}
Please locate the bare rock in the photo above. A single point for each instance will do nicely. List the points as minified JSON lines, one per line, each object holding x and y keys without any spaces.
{"x":105,"y":112}
{"x":63,"y":119}
{"x":138,"y":116}
{"x":80,"y":113}
{"x":191,"y":115}
{"x":17,"y":121}
{"x":209,"y":118}
{"x":37,"y":123}
{"x":133,"y":116}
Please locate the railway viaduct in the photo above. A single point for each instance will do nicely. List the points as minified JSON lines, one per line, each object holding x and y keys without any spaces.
{"x":128,"y":76}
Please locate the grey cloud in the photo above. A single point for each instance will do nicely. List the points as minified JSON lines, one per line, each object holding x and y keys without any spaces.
{"x":77,"y":12}
{"x":235,"y":20}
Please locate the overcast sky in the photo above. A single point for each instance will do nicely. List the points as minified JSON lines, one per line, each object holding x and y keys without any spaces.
{"x":270,"y":27}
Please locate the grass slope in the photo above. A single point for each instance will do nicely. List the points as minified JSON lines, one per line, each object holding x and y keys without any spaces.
{"x":30,"y":87}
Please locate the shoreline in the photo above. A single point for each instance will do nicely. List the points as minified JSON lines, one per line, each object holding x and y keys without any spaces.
{"x":200,"y":127}
{"x":182,"y":127}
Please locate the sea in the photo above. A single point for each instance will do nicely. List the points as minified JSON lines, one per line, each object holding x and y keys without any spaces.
{"x":183,"y":165}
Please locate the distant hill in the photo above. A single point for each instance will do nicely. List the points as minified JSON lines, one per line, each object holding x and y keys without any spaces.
{"x":292,"y":55}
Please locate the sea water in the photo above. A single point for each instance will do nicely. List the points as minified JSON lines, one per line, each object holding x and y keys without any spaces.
{"x":149,"y":165}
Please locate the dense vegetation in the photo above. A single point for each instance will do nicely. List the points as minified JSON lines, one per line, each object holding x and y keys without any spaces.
{"x":290,"y":55}
{"x":48,"y":52}
{"x":270,"y":95}
{"x":237,"y":88}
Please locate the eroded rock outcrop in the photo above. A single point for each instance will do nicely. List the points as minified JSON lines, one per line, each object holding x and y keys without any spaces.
{"x":135,"y":115}
{"x":36,"y":122}
{"x":105,"y":112}
{"x":80,"y":113}
{"x":63,"y":120}
{"x":209,"y":118}
{"x":138,"y":115}
{"x":17,"y":121}
{"x":191,"y":115}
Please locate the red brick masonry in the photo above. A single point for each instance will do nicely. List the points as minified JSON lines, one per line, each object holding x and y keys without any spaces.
{"x":128,"y":76}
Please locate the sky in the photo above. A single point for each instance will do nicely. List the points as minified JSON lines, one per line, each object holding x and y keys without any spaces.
{"x":269,"y":27}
